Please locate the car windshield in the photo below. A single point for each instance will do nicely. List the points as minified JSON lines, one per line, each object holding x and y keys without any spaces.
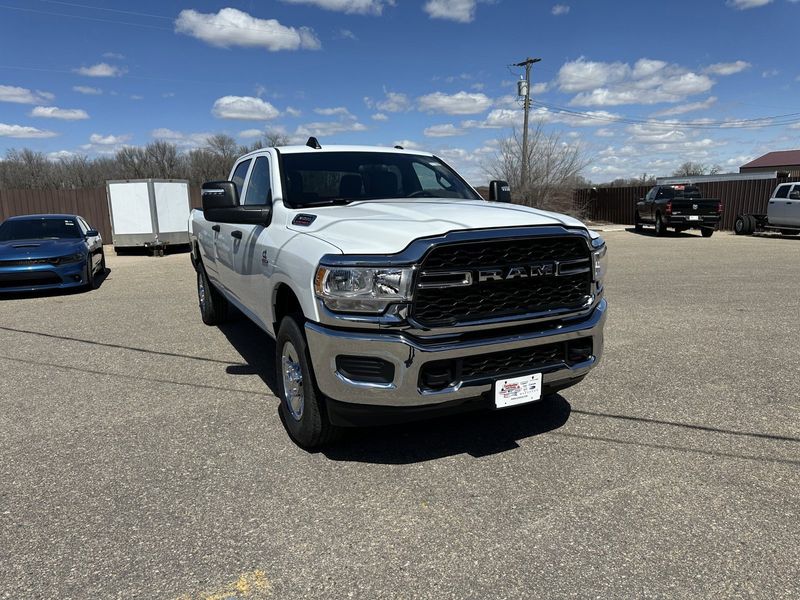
{"x":684,"y":191}
{"x":37,"y":229}
{"x":319,"y":178}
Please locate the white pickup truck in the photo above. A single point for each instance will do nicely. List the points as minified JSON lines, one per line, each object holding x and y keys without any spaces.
{"x":393,"y":290}
{"x":783,"y":213}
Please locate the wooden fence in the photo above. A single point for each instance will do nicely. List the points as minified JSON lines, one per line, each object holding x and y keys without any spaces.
{"x":617,"y":205}
{"x":90,"y":203}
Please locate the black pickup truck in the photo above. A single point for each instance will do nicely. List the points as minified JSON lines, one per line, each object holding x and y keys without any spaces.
{"x":679,"y":206}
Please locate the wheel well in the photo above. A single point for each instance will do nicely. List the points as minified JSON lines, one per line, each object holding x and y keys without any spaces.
{"x":286,"y":303}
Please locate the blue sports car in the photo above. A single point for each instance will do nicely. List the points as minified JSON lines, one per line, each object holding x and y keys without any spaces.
{"x":40,"y":252}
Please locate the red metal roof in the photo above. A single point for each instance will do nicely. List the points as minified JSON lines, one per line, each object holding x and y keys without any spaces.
{"x":783,"y":158}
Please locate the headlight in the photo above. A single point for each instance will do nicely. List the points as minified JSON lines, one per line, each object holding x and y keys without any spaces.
{"x":70,"y":258}
{"x":599,"y":260}
{"x":362,"y":289}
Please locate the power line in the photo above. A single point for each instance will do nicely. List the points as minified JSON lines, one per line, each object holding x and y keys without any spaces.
{"x":116,"y":10}
{"x":82,"y":17}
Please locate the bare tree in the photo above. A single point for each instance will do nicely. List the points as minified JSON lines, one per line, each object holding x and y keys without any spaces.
{"x":553,"y":166}
{"x":275,"y":138}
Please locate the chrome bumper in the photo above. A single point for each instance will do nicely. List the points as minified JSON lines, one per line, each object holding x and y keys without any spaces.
{"x":408,"y":356}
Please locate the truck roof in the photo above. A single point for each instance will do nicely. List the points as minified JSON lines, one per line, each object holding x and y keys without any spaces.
{"x":347,"y":148}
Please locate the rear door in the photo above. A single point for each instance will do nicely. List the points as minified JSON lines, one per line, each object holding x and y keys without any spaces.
{"x":792,"y":214}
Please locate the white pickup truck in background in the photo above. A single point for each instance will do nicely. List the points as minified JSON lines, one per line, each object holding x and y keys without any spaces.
{"x":783,"y":213}
{"x":393,"y":290}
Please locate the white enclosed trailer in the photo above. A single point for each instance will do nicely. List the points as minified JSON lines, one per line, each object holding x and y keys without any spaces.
{"x":149,"y":213}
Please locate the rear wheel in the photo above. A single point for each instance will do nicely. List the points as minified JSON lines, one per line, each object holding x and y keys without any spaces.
{"x":637,"y":222}
{"x":302,"y":409}
{"x":739,"y":225}
{"x":751,"y":224}
{"x":707,"y":231}
{"x":660,"y":227}
{"x":213,"y":306}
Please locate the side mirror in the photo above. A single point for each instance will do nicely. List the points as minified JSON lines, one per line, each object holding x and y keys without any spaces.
{"x":221,"y":205}
{"x":92,"y":233}
{"x":499,"y":191}
{"x":794,"y":195}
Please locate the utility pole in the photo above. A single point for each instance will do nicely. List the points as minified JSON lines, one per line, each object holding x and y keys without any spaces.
{"x":527,"y":63}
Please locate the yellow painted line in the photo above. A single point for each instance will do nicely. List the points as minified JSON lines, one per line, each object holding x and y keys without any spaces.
{"x":254,"y":586}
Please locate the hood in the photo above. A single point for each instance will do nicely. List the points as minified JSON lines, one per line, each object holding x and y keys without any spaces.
{"x":22,"y":249}
{"x":388,"y":226}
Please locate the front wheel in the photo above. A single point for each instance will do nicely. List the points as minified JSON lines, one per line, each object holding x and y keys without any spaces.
{"x":302,"y":407}
{"x":707,"y":231}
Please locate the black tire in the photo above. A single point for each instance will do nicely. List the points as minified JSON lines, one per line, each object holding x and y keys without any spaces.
{"x":637,"y":222}
{"x":661,"y":229}
{"x":305,"y":418}
{"x":102,"y":262}
{"x":751,"y":224}
{"x":707,"y":231}
{"x":740,"y":225}
{"x":90,"y":281}
{"x":213,"y":305}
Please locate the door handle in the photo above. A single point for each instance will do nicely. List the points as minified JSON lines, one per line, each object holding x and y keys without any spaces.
{"x":237,"y":234}
{"x":215,"y":228}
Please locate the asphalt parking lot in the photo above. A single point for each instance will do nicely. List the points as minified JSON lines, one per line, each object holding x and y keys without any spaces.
{"x":143,"y":457}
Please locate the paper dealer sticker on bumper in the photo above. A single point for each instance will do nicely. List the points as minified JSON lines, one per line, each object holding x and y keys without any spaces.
{"x":519,"y":390}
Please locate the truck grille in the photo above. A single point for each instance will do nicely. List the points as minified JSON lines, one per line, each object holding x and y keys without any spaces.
{"x":444,"y":306}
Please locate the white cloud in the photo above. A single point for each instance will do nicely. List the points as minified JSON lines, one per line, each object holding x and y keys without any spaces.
{"x":685,"y":108}
{"x":461,"y":11}
{"x":53,"y":112}
{"x":407,"y":144}
{"x":727,"y":68}
{"x":581,"y":75}
{"x":560,"y":9}
{"x":745,"y":4}
{"x":292,"y":112}
{"x":232,"y":27}
{"x":20,"y":95}
{"x":346,"y":34}
{"x":251,"y":133}
{"x":392,"y":102}
{"x":85,"y":89}
{"x":445,"y":130}
{"x":101,"y":70}
{"x":108,"y":140}
{"x":245,"y":108}
{"x":329,"y":128}
{"x":770,"y":73}
{"x":477,"y":87}
{"x":24,"y":132}
{"x":183,"y":140}
{"x":379,"y":117}
{"x":604,"y":132}
{"x":113,"y":55}
{"x":339,"y":111}
{"x":647,"y":82}
{"x":461,"y":103}
{"x":58,"y":155}
{"x":360,"y":7}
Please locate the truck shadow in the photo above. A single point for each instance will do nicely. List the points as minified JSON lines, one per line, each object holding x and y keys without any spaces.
{"x":480,"y":433}
{"x":651,"y":232}
{"x":256,"y":348}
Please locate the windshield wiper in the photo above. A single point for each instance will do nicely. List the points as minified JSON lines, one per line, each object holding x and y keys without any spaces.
{"x":327,"y":202}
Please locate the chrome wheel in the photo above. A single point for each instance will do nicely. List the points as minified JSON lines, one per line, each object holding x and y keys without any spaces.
{"x":292,"y":381}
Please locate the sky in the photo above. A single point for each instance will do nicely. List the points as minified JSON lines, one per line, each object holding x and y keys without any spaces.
{"x":641,"y":87}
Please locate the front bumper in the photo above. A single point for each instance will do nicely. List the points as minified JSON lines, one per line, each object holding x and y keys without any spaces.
{"x":409,"y":356}
{"x":42,"y":277}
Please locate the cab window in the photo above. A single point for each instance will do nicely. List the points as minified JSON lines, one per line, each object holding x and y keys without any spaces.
{"x":239,"y":174}
{"x":259,"y":191}
{"x":783,"y":191}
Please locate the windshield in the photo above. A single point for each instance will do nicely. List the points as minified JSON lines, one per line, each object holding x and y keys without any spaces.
{"x":339,"y":177}
{"x":37,"y":229}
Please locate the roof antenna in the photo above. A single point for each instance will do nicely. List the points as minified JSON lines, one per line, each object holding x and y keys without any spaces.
{"x":399,"y":147}
{"x":313,"y":143}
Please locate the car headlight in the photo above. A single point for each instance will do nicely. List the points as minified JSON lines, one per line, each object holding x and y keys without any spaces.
{"x":362,"y":289}
{"x":599,"y":260}
{"x":70,"y":258}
